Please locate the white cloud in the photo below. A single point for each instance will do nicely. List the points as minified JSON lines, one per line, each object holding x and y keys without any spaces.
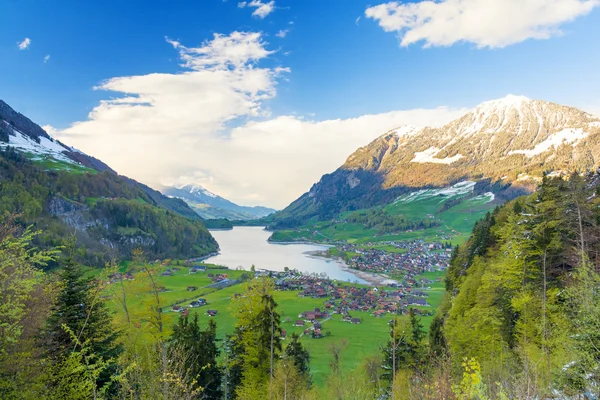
{"x":486,"y":23}
{"x":262,"y":9}
{"x":241,"y":4}
{"x":46,"y":58}
{"x":24,"y":44}
{"x":282,"y":33}
{"x":166,"y":128}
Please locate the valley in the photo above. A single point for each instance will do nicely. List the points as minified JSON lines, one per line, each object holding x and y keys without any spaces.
{"x":410,"y":233}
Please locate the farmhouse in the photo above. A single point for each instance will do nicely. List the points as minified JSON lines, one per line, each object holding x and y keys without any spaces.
{"x":212,"y":313}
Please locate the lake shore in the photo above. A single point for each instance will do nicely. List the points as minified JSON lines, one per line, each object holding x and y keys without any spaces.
{"x":371,"y":278}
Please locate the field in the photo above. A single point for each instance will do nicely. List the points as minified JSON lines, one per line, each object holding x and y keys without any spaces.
{"x":456,"y":219}
{"x":361,"y":339}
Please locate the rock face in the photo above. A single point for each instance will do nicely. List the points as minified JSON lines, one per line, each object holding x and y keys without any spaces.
{"x":509,"y":143}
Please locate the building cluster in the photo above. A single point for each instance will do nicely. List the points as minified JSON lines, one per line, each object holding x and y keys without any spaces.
{"x":343,"y":299}
{"x":415,"y":258}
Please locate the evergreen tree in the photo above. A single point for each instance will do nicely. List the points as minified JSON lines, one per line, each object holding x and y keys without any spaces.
{"x":300,"y":356}
{"x":197,"y":352}
{"x":80,"y":319}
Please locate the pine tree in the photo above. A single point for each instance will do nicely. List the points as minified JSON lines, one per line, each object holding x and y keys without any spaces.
{"x":197,"y":353}
{"x":79,"y":318}
{"x":300,"y":356}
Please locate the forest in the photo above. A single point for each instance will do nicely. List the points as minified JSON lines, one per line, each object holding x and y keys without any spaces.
{"x":386,"y":223}
{"x":109,"y":214}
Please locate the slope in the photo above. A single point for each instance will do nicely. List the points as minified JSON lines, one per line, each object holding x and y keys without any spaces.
{"x":65,"y":192}
{"x":509,"y":142}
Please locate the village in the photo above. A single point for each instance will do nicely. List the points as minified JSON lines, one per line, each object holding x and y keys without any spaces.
{"x":412,"y":258}
{"x":340,"y":300}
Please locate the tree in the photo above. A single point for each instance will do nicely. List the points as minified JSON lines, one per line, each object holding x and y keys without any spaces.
{"x":405,"y":349}
{"x":80,"y":317}
{"x":197,"y":352}
{"x":20,"y":272}
{"x":259,"y":333}
{"x":300,"y":357}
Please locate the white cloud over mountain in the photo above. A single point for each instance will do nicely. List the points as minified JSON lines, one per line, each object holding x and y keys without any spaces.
{"x":486,"y":23}
{"x":166,"y":128}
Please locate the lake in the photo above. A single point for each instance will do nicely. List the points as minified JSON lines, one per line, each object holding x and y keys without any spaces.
{"x":244,"y":246}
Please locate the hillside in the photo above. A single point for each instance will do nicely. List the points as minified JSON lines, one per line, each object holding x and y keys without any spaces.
{"x":435,"y":215}
{"x":211,"y":206}
{"x":64,"y":192}
{"x":507,"y":143}
{"x":525,"y":285}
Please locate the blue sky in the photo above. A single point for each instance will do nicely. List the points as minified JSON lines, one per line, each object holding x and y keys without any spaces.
{"x":343,"y":60}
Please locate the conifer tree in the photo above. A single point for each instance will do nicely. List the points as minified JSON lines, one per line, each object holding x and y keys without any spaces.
{"x":79,"y":317}
{"x":198,"y":352}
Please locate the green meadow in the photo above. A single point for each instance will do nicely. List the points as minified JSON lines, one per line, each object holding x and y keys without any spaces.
{"x":455,"y":222}
{"x":360,"y":340}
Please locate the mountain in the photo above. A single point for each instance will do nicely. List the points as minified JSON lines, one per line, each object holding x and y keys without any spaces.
{"x":504,"y":145}
{"x":209,"y":205}
{"x":65,"y":192}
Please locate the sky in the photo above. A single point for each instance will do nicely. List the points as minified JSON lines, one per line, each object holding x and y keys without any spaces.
{"x":256,"y":100}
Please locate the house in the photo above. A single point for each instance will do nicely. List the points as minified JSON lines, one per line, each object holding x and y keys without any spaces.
{"x":299,"y":322}
{"x":212,"y":313}
{"x":347,"y":318}
{"x":309,"y":315}
{"x":167,"y":273}
{"x":307,"y":331}
{"x":202,"y":301}
{"x":283,"y":334}
{"x":186,"y":312}
{"x":355,"y":321}
{"x":195,"y":304}
{"x":192,"y":288}
{"x":177,"y":308}
{"x":317,"y":325}
{"x":317,"y":334}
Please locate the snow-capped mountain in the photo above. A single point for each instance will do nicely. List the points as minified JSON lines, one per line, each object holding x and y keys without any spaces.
{"x":209,"y":205}
{"x":508,"y":142}
{"x":20,"y":133}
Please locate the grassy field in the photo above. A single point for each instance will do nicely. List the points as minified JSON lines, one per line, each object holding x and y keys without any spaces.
{"x":361,"y":339}
{"x":455,"y":223}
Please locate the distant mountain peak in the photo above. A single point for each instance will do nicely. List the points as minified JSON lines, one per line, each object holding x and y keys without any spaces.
{"x":508,"y":101}
{"x":209,"y":205}
{"x":193,"y":189}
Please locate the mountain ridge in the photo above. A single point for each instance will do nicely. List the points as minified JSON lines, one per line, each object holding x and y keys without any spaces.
{"x":508,"y":143}
{"x":65,"y":192}
{"x":209,"y":205}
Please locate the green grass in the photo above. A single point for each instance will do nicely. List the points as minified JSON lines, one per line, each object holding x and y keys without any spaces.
{"x":455,"y":227}
{"x":52,"y":164}
{"x":361,"y":340}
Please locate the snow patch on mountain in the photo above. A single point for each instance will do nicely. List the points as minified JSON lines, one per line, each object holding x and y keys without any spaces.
{"x":407,"y":130}
{"x":568,"y":136}
{"x":46,"y":147}
{"x":428,"y":156}
{"x":459,"y":189}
